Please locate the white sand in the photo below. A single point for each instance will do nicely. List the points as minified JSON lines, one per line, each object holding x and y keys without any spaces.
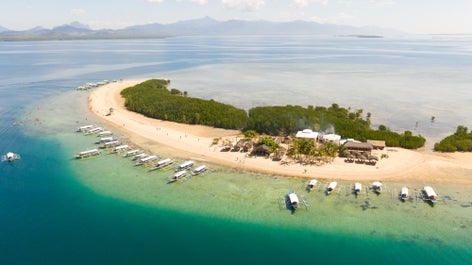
{"x":194,"y":141}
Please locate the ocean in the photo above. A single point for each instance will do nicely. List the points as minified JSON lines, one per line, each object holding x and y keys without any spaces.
{"x":58,"y":210}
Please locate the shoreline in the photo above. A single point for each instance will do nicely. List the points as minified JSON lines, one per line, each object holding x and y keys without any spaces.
{"x":194,"y":142}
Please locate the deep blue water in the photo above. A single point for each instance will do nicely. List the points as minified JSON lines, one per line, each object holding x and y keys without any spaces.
{"x":48,"y":217}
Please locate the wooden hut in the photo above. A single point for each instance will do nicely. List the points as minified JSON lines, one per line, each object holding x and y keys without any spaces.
{"x":377,"y":144}
{"x":356,"y":146}
{"x":261,"y":150}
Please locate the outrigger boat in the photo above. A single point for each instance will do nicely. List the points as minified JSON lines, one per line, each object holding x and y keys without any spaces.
{"x":199,"y":170}
{"x":311,"y":184}
{"x":139,"y":156}
{"x":163,"y":163}
{"x":357,"y":188}
{"x":88,"y":153}
{"x":104,"y":133}
{"x":84,"y":128}
{"x":10,"y":157}
{"x":178,"y":175}
{"x":132,"y":153}
{"x":430,"y":194}
{"x":110,"y":144}
{"x":106,"y":140}
{"x":147,"y":159}
{"x":404,"y":193}
{"x":119,"y":148}
{"x":377,"y":186}
{"x":331,"y":187}
{"x":93,"y":130}
{"x":293,"y":198}
{"x":185,"y":165}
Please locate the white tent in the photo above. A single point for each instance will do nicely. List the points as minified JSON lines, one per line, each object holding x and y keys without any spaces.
{"x":307,"y":133}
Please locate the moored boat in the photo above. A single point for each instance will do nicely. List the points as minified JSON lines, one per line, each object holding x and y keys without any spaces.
{"x":139,"y":156}
{"x":331,"y":187}
{"x":87,"y":153}
{"x":132,"y":152}
{"x":110,"y":144}
{"x":163,"y":163}
{"x":357,"y":188}
{"x":147,"y":159}
{"x":311,"y":184}
{"x":93,"y":130}
{"x":185,"y":165}
{"x":104,"y":133}
{"x":404,"y":193}
{"x":377,"y":186}
{"x":106,"y":140}
{"x":10,"y":157}
{"x":430,"y":194}
{"x":200,"y":170}
{"x":293,"y":198}
{"x":178,"y":175}
{"x":119,"y":148}
{"x":84,"y":128}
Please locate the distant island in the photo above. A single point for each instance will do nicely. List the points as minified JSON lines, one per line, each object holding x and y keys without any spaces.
{"x":153,"y":99}
{"x":194,"y":27}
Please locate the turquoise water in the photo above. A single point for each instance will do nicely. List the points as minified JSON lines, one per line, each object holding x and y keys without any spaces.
{"x":56,"y":210}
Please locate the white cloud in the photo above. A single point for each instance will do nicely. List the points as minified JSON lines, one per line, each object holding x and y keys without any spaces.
{"x":341,"y":18}
{"x":77,"y":12}
{"x":155,"y":1}
{"x":382,"y":3}
{"x":299,"y":3}
{"x":200,"y":2}
{"x":321,"y":2}
{"x":345,"y":2}
{"x":245,"y":5}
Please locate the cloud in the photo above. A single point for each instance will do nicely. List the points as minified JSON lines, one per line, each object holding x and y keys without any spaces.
{"x":299,"y":3}
{"x":245,"y":5}
{"x":200,"y":2}
{"x":382,"y":3}
{"x":341,"y":18}
{"x":78,"y":12}
{"x":321,"y":2}
{"x":155,"y":1}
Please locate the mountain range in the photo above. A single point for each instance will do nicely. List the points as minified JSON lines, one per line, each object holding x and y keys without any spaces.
{"x":202,"y":26}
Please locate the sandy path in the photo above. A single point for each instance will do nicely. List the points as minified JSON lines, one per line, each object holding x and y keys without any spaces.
{"x":194,"y":141}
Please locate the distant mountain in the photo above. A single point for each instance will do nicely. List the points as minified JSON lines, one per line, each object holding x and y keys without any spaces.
{"x":202,"y":26}
{"x":2,"y":29}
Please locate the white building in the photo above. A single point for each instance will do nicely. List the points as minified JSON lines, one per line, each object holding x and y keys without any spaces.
{"x":307,"y":133}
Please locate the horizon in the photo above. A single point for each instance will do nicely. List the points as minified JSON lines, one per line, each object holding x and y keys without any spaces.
{"x":437,"y":17}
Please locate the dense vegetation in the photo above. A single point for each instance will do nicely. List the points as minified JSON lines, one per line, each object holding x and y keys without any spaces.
{"x":286,"y":120}
{"x":153,"y":99}
{"x":461,"y":140}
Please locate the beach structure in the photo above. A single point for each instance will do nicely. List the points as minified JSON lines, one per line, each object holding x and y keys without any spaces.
{"x":357,"y":188}
{"x":147,"y":159}
{"x":331,"y":137}
{"x":163,"y":163}
{"x":104,"y":133}
{"x":377,"y":144}
{"x":430,"y":194}
{"x":84,"y":128}
{"x":404,"y":193}
{"x":311,"y":184}
{"x":293,"y":199}
{"x":10,"y":157}
{"x":179,"y":175}
{"x":331,"y":187}
{"x":87,"y":153}
{"x":132,"y":152}
{"x":358,"y":146}
{"x":377,"y":186}
{"x":119,"y":148}
{"x":185,"y":165}
{"x":307,"y":134}
{"x":199,"y":170}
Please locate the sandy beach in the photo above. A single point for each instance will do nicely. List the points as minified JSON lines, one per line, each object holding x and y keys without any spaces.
{"x":195,"y":142}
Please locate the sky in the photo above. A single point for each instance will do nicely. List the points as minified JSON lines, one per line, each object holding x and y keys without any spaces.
{"x":410,"y":16}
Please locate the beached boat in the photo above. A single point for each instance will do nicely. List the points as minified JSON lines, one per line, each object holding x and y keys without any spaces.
{"x":84,"y":128}
{"x":110,"y":144}
{"x":104,"y":133}
{"x":163,"y":163}
{"x":293,"y":198}
{"x":87,"y":153}
{"x":106,"y":140}
{"x":404,"y":193}
{"x":185,"y":165}
{"x":147,"y":159}
{"x":200,"y":170}
{"x":311,"y":184}
{"x":377,"y":186}
{"x":430,"y":194}
{"x":331,"y":187}
{"x":357,"y":188}
{"x":178,"y":175}
{"x":133,"y":152}
{"x":10,"y":157}
{"x":93,"y":130}
{"x":119,"y":148}
{"x":139,"y":156}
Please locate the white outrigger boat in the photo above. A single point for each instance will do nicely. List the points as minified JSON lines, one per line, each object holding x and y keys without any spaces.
{"x":199,"y":170}
{"x":404,"y":193}
{"x":139,"y":156}
{"x":10,"y":157}
{"x":293,"y":198}
{"x":430,"y":194}
{"x":84,"y":128}
{"x":178,"y":175}
{"x":119,"y":149}
{"x":133,"y":152}
{"x":311,"y":184}
{"x":163,"y":163}
{"x":377,"y":186}
{"x":357,"y":188}
{"x":147,"y":159}
{"x":185,"y":165}
{"x":93,"y":130}
{"x":87,"y":153}
{"x":106,"y":140}
{"x":104,"y":133}
{"x":110,"y":144}
{"x":331,"y":187}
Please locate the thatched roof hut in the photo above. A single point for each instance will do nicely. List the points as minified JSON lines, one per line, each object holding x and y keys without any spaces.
{"x":377,"y":144}
{"x":365,"y":147}
{"x":261,"y":150}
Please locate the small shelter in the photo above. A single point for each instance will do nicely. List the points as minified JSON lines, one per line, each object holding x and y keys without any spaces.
{"x":331,"y":137}
{"x":355,"y":146}
{"x":261,"y":150}
{"x":307,"y":133}
{"x":377,"y":144}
